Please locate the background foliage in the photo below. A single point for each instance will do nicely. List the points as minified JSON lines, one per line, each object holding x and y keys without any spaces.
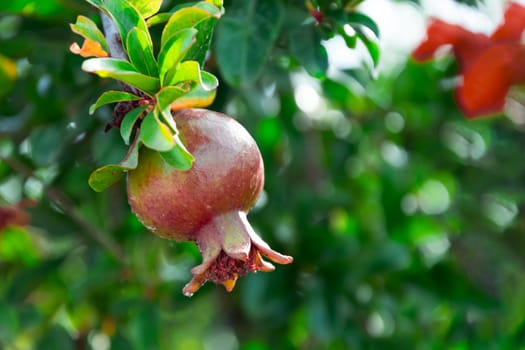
{"x":405,"y":221}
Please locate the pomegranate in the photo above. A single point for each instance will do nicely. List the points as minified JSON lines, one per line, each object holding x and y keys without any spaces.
{"x":208,"y":203}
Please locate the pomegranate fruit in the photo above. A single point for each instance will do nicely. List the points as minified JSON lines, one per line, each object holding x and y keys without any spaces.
{"x":208,"y":203}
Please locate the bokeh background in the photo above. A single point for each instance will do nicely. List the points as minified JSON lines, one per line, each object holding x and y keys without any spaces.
{"x":406,"y":221}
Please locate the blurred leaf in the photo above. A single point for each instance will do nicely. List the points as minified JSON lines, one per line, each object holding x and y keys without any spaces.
{"x":364,"y":20}
{"x":371,"y":46}
{"x":249,"y":30}
{"x":7,"y":75}
{"x":128,"y":123}
{"x":47,"y":143}
{"x":173,"y":51}
{"x":112,"y":96}
{"x":147,"y":8}
{"x":27,"y":280}
{"x":305,"y":45}
{"x":55,"y":338}
{"x":140,"y":51}
{"x":123,"y":71}
{"x":89,"y":30}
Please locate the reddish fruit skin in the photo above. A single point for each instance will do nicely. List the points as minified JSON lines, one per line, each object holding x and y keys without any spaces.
{"x":208,"y":203}
{"x":228,"y":174}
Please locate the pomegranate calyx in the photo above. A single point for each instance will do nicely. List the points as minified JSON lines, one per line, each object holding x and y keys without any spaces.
{"x":230,"y":248}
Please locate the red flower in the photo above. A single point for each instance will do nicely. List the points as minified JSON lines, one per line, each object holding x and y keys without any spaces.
{"x":489,"y":66}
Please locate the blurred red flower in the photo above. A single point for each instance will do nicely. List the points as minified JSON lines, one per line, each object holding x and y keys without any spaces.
{"x":488,"y":66}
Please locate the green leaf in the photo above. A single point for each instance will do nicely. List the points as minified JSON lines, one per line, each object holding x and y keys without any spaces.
{"x":140,"y":52}
{"x":126,"y":127}
{"x":190,"y":71}
{"x":199,"y":96}
{"x":155,"y":134}
{"x":305,"y":45}
{"x":147,"y":7}
{"x":364,"y":20}
{"x":125,"y":16}
{"x":123,"y":71}
{"x":245,"y":37}
{"x":173,"y":51}
{"x":165,"y":97}
{"x":178,"y":157}
{"x":187,"y":17}
{"x":158,"y":19}
{"x":371,"y":46}
{"x":105,"y":176}
{"x":205,"y":31}
{"x":86,"y":28}
{"x":109,"y":174}
{"x":217,"y":3}
{"x":112,"y":96}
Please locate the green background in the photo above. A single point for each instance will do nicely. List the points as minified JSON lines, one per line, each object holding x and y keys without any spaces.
{"x":405,"y":220}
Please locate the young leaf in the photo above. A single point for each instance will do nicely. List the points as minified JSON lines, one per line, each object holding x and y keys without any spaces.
{"x":111,"y":97}
{"x":126,"y":127}
{"x":165,"y":98}
{"x":190,"y":71}
{"x":155,"y":134}
{"x":173,"y":51}
{"x":187,"y":17}
{"x":250,"y":30}
{"x":158,"y":19}
{"x":198,"y":97}
{"x":147,"y":7}
{"x":86,"y":28}
{"x":140,"y":52}
{"x":125,"y":16}
{"x":123,"y":71}
{"x":178,"y":157}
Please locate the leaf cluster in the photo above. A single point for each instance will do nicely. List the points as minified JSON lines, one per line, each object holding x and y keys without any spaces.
{"x":157,"y":80}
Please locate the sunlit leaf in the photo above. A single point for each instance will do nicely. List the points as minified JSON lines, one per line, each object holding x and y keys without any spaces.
{"x":249,"y":30}
{"x":187,"y":17}
{"x":112,"y":97}
{"x":147,"y":8}
{"x":126,"y":127}
{"x":158,"y":19}
{"x":198,"y":96}
{"x":173,"y":50}
{"x":140,"y":52}
{"x":155,"y":134}
{"x":123,"y":71}
{"x":89,"y":30}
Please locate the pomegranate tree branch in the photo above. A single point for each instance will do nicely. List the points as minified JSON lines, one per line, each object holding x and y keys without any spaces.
{"x":65,"y":204}
{"x":113,"y":38}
